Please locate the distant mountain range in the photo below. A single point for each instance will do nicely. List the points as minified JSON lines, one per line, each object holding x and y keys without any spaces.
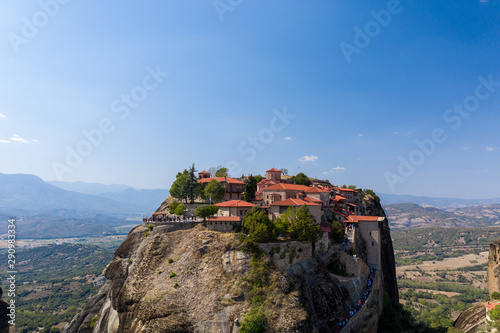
{"x":90,"y":188}
{"x":46,"y":211}
{"x":390,"y":199}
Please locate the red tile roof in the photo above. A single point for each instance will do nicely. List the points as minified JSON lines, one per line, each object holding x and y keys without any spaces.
{"x":204,"y":172}
{"x":222,"y":179}
{"x":294,"y":202}
{"x":316,"y":190}
{"x":338,"y":198}
{"x":224,"y":219}
{"x":490,"y":306}
{"x":326,"y":229}
{"x":273,"y":169}
{"x":235,"y":203}
{"x":311,"y":199}
{"x":285,"y":186}
{"x":341,"y":213}
{"x":346,"y":189}
{"x":357,"y":218}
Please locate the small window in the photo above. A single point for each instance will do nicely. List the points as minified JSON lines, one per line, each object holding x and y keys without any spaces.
{"x":373,"y":243}
{"x":370,"y":233}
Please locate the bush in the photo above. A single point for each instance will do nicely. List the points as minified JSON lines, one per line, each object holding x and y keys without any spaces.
{"x":495,"y":295}
{"x":150,"y":227}
{"x":255,"y":321}
{"x":170,"y":260}
{"x":159,"y":272}
{"x":93,"y":322}
{"x":172,"y":275}
{"x":176,"y":285}
{"x":146,"y":234}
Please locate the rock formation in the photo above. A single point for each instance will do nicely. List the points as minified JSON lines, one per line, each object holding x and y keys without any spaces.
{"x":194,"y":280}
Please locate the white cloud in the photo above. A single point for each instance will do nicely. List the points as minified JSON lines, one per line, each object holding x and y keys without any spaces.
{"x":287,"y":138}
{"x":2,"y":116}
{"x":488,"y":148}
{"x":35,"y":140}
{"x":17,"y":138}
{"x":339,"y":168}
{"x":308,"y":158}
{"x":4,"y":141}
{"x":360,"y":134}
{"x":465,"y":148}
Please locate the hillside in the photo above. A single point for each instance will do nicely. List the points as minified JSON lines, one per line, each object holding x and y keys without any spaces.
{"x":57,"y":281}
{"x":408,"y":215}
{"x":391,"y":199}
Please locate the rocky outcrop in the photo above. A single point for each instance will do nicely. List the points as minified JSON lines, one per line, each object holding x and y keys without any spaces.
{"x":494,"y":267}
{"x":471,"y":319}
{"x":194,"y":280}
{"x":372,"y":207}
{"x":4,"y":314}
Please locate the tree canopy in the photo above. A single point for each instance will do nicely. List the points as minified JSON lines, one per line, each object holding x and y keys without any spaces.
{"x":304,"y":226}
{"x":222,"y":172}
{"x":259,"y":227}
{"x":206,"y":211}
{"x":215,"y":191}
{"x":301,"y":179}
{"x":185,"y":185}
{"x":250,"y":188}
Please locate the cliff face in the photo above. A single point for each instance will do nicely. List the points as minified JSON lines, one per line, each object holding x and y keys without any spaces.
{"x":494,"y":267}
{"x":471,"y":319}
{"x":372,"y":207}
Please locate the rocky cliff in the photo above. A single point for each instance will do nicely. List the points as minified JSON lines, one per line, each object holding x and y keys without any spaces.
{"x":194,"y":280}
{"x":494,"y":267}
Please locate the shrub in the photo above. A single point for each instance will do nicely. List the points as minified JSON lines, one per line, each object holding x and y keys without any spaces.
{"x":495,"y":295}
{"x":146,"y":234}
{"x":159,"y":272}
{"x":150,"y":227}
{"x":93,"y":321}
{"x":254,"y":322}
{"x":172,"y":275}
{"x":176,"y":285}
{"x":170,"y":260}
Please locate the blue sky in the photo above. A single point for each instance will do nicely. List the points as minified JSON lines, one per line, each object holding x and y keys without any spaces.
{"x":339,"y":90}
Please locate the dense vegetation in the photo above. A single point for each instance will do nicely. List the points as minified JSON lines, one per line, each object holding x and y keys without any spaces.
{"x":54,"y":282}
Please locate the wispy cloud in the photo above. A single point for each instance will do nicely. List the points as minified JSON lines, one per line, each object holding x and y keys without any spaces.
{"x":308,"y":158}
{"x":35,"y":140}
{"x":287,"y":138}
{"x":2,"y":116}
{"x":17,"y":138}
{"x":360,"y":134}
{"x":4,"y":141}
{"x":465,"y":148}
{"x":488,"y":148}
{"x":336,"y":169}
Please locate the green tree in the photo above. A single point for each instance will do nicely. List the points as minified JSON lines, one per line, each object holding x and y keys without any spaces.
{"x":352,"y":187}
{"x":206,"y":211}
{"x":284,"y":171}
{"x":191,"y":185}
{"x":495,"y":317}
{"x":215,"y":190}
{"x":259,"y":227}
{"x":285,"y":220}
{"x":222,"y":172}
{"x":250,"y":188}
{"x":305,"y":228}
{"x":301,"y":179}
{"x":173,"y":205}
{"x":180,"y":210}
{"x":179,"y":188}
{"x":338,"y":231}
{"x":258,"y":178}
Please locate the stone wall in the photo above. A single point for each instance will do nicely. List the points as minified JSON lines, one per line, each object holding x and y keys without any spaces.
{"x":366,"y":320}
{"x":284,"y":255}
{"x":222,"y":226}
{"x":171,"y":226}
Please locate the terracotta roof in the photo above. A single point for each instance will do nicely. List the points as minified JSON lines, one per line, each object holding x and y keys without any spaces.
{"x":273,"y":169}
{"x":285,"y":186}
{"x":204,"y":172}
{"x":340,"y":213}
{"x":358,"y":218}
{"x":338,"y":198}
{"x":315,"y":190}
{"x":294,"y":202}
{"x":224,"y":219}
{"x":235,"y":203}
{"x":222,"y":179}
{"x":490,"y":306}
{"x":346,"y":189}
{"x":311,"y":199}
